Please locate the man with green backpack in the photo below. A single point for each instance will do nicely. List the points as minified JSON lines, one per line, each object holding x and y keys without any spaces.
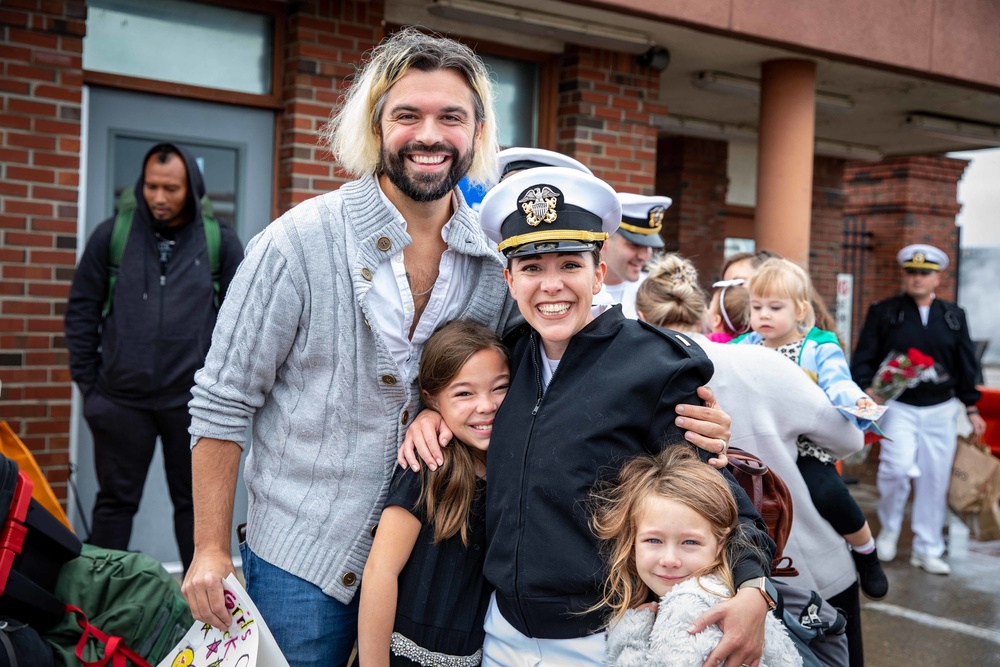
{"x":139,"y":322}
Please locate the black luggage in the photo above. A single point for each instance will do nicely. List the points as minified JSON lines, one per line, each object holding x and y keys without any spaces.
{"x":33,"y":547}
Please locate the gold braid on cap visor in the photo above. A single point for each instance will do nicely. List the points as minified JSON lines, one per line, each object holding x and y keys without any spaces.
{"x":925,"y":265}
{"x":640,"y":230}
{"x":551,"y":235}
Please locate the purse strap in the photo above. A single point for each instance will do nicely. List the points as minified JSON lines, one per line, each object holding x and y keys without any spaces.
{"x":115,"y":648}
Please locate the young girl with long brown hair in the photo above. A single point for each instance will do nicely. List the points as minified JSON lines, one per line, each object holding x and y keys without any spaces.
{"x":666,"y":523}
{"x":423,"y":596}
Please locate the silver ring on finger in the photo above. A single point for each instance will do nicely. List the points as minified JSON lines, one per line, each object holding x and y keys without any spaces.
{"x":725,"y":448}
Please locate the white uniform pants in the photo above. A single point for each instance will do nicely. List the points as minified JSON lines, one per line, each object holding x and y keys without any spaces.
{"x":506,"y":647}
{"x":922,"y":450}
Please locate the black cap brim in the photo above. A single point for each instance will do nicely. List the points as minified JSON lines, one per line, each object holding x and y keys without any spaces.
{"x":648,"y":240}
{"x":544,"y":247}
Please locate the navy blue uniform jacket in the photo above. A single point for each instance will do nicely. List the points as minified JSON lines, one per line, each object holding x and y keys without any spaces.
{"x":611,"y":398}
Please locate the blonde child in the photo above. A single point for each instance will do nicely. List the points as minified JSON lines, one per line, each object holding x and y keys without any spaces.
{"x":666,"y":523}
{"x":423,"y":596}
{"x":782,"y":319}
{"x":728,"y":314}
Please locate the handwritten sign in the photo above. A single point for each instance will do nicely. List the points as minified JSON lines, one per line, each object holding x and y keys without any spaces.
{"x":247,"y":643}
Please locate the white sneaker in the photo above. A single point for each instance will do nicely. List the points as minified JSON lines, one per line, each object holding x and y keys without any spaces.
{"x":885,"y":545}
{"x":931,"y":564}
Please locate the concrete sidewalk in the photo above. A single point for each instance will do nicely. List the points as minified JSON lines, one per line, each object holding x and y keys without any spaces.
{"x":929,"y":619}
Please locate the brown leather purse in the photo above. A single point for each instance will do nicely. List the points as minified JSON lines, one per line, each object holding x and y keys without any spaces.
{"x":772,"y":500}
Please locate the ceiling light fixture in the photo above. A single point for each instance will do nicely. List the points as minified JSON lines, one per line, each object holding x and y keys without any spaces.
{"x":965,"y":131}
{"x":710,"y":129}
{"x":529,"y":21}
{"x":744,"y":86}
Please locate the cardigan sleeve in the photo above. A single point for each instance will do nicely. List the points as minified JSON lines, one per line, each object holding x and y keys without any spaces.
{"x":258,"y":324}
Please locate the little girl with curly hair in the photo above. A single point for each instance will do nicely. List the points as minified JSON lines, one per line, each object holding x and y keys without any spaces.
{"x":666,"y":523}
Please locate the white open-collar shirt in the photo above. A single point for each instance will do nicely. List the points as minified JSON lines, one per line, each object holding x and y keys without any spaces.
{"x":392,"y":301}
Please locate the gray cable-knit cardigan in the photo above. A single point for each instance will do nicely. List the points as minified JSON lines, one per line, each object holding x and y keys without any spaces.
{"x":296,"y":352}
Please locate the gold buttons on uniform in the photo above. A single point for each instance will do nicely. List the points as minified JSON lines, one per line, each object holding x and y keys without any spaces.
{"x":383,"y":243}
{"x":405,"y":418}
{"x":366,"y":273}
{"x":349,"y":578}
{"x":389,"y":380}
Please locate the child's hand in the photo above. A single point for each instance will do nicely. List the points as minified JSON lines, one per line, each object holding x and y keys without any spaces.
{"x":651,"y":606}
{"x":866,"y":403}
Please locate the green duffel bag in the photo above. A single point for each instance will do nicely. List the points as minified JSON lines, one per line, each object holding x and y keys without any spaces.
{"x":122,"y":608}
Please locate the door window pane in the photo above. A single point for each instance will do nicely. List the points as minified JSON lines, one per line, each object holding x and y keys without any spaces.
{"x":219,"y":167}
{"x":175,"y":40}
{"x":517,"y":100}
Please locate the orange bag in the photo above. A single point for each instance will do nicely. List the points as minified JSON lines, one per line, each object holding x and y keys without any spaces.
{"x":12,"y":447}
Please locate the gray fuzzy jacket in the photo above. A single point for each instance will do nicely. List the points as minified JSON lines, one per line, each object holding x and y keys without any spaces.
{"x":640,"y":639}
{"x":296,"y":353}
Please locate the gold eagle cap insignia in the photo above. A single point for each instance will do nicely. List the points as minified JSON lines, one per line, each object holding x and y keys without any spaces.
{"x":656,"y":216}
{"x":919,"y":257}
{"x":539,"y":205}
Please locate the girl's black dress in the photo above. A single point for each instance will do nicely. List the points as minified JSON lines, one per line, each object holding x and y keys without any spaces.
{"x":443,"y":596}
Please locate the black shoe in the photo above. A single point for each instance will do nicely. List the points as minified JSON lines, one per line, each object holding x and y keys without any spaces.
{"x":870,"y":574}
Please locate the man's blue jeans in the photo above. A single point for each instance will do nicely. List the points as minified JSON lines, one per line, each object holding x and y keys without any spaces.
{"x":311,"y":628}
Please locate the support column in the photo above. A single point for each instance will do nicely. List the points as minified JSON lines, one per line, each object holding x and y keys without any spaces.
{"x":785,"y":158}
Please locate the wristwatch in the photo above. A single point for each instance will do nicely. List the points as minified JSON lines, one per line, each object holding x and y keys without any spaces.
{"x":766,"y":588}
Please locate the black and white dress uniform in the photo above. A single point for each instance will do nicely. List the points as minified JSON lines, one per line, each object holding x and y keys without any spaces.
{"x":921,"y":422}
{"x":612,"y":396}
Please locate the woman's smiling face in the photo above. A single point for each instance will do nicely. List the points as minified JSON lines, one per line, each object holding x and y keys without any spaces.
{"x":554,"y":292}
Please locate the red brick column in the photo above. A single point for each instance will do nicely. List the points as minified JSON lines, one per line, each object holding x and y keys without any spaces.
{"x":324,"y":40}
{"x":692,"y":171}
{"x":901,"y":201}
{"x":41,"y":56}
{"x":827,"y":227}
{"x":607,"y":116}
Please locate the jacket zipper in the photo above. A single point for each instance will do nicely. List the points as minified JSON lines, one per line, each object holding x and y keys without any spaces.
{"x":524,"y":466}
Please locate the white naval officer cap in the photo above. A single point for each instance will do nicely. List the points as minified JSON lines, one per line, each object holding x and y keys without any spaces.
{"x":642,"y":218}
{"x":922,"y":257}
{"x":517,"y":158}
{"x":549,"y":209}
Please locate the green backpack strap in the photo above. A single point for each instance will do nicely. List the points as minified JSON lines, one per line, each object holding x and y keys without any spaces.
{"x":126,"y":206}
{"x":119,"y":239}
{"x":213,"y":241}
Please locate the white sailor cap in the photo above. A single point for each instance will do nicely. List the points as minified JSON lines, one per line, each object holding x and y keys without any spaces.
{"x":549,"y":209}
{"x":517,"y":158}
{"x":642,"y":218}
{"x":922,"y":257}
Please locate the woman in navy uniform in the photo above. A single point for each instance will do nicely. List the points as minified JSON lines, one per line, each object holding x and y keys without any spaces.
{"x":586,"y":394}
{"x":921,"y":422}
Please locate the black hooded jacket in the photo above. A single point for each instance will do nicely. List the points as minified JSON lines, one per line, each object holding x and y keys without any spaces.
{"x":145,"y":353}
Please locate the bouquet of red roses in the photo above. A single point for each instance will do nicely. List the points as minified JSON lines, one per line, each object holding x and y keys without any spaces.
{"x":900,"y":372}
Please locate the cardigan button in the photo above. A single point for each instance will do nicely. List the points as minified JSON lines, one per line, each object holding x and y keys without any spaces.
{"x":383,"y":243}
{"x":388,"y":380}
{"x":349,"y":578}
{"x":405,"y":418}
{"x":374,"y":528}
{"x":366,"y":273}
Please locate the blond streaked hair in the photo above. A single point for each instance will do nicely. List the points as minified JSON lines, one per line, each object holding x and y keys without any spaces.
{"x":783,"y":279}
{"x":353,"y":131}
{"x":676,"y":474}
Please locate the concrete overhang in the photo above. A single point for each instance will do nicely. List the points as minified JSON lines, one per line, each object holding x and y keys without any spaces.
{"x":883,"y":96}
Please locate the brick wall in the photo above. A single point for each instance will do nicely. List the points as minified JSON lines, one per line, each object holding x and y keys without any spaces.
{"x":40,"y":87}
{"x":324,"y":39}
{"x":901,"y":201}
{"x":607,"y":116}
{"x":692,"y":171}
{"x":826,"y":236}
